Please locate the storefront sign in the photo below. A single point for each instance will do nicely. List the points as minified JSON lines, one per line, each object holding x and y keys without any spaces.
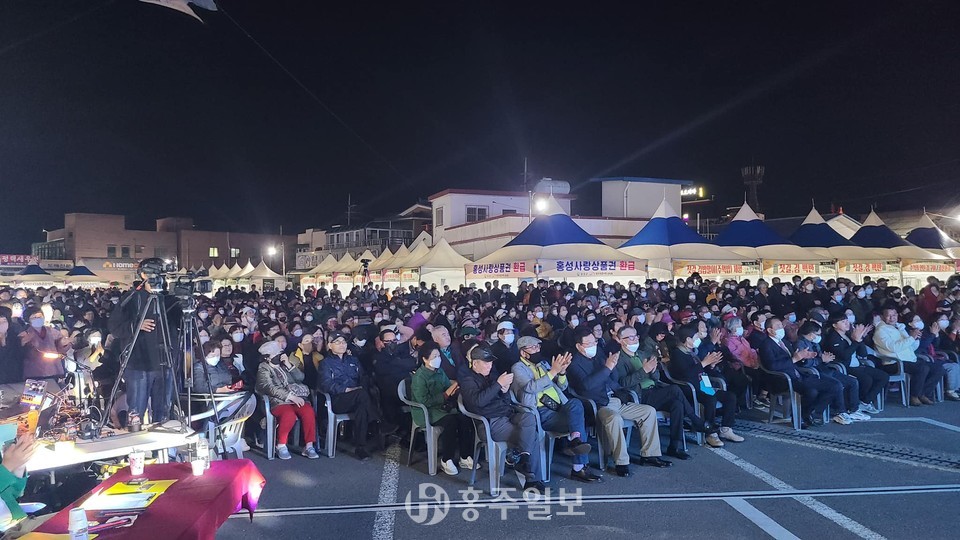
{"x":931,"y":267}
{"x":822,"y":268}
{"x":16,"y":260}
{"x":878,"y":267}
{"x":684,"y":269}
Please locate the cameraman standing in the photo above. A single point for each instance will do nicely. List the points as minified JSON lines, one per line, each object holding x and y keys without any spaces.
{"x":147,"y":376}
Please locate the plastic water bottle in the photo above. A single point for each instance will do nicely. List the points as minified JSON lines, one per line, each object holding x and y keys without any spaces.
{"x":203,"y":450}
{"x":78,"y":524}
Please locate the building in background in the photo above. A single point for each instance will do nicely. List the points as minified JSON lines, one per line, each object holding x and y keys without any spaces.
{"x":105,"y":245}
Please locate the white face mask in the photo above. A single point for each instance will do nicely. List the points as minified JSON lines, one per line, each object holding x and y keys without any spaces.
{"x":632,"y":347}
{"x":779,"y":333}
{"x":213,"y":359}
{"x":508,"y":339}
{"x":590,"y":351}
{"x":738,"y":331}
{"x":95,"y":340}
{"x":852,"y":318}
{"x":861,"y":293}
{"x":298,"y":332}
{"x":203,"y":315}
{"x":642,"y":318}
{"x":944,"y":323}
{"x":360,"y":342}
{"x":816,"y":339}
{"x":696,"y":342}
{"x":203,"y":339}
{"x":574,"y":323}
{"x":237,"y":337}
{"x":707,"y":316}
{"x":538,"y":314}
{"x":435,"y":363}
{"x":918,"y":325}
{"x":309,"y":318}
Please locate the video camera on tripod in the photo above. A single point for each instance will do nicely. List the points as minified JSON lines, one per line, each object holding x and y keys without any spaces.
{"x":183,"y":285}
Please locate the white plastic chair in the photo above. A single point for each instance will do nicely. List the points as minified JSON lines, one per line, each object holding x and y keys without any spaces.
{"x":333,"y":423}
{"x":496,"y":451}
{"x":430,"y":432}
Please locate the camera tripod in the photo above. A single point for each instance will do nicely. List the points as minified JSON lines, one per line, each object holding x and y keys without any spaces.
{"x":189,"y":342}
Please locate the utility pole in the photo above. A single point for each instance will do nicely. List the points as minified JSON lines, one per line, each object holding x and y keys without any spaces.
{"x":525,"y":174}
{"x":350,"y":208}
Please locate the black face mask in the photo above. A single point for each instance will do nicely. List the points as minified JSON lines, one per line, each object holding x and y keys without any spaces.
{"x":391,"y":347}
{"x":275,"y":360}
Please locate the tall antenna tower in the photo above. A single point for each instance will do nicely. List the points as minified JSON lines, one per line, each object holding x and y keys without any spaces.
{"x":752,"y":178}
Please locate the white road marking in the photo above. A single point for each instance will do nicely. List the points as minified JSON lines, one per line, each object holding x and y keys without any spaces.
{"x":853,"y":526}
{"x":930,"y":421}
{"x":385,"y":520}
{"x":765,"y":522}
{"x":854,"y":453}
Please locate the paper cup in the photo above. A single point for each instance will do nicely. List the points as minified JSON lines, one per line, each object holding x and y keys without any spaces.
{"x":136,"y":458}
{"x":198,"y":466}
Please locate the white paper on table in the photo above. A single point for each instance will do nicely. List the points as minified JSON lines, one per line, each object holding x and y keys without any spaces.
{"x":126,"y":501}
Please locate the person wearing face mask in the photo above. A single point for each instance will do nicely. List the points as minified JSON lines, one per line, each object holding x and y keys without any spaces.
{"x":430,"y":386}
{"x":539,"y":384}
{"x":860,"y":305}
{"x":894,"y":340}
{"x":592,"y":377}
{"x":282,"y":384}
{"x":816,"y":393}
{"x":90,"y":354}
{"x":810,"y":338}
{"x":837,"y":303}
{"x":687,"y":366}
{"x":505,"y":349}
{"x":394,"y":363}
{"x":452,"y":359}
{"x":932,"y":342}
{"x":37,"y":340}
{"x":567,"y":339}
{"x":846,"y":342}
{"x":637,"y":371}
{"x":307,"y":358}
{"x":220,"y":379}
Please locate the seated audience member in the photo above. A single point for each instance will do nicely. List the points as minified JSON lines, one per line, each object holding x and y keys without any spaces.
{"x":845,"y":342}
{"x":282,"y":384}
{"x":539,"y":385}
{"x":893,"y":340}
{"x":592,"y":377}
{"x":810,"y":338}
{"x":488,"y":396}
{"x":431,"y":387}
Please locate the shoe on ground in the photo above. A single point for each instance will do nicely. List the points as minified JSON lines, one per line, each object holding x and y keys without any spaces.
{"x":576,"y":447}
{"x":915,"y":402}
{"x":622,"y":471}
{"x":449,"y":468}
{"x":761,"y":402}
{"x":869,"y":408}
{"x":584,"y":475}
{"x":859,"y":416}
{"x":727,"y":434}
{"x":952,"y":395}
{"x":714,"y":441}
{"x":523,"y":464}
{"x":655,"y":461}
{"x":534,"y":488}
{"x":362,"y":454}
{"x":310,"y":453}
{"x":467,"y":463}
{"x":282,"y":452}
{"x":678,"y":453}
{"x":927,"y":401}
{"x":710,"y":427}
{"x":842,"y":419}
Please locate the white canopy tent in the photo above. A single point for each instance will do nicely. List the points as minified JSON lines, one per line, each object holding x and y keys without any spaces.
{"x":441,"y":265}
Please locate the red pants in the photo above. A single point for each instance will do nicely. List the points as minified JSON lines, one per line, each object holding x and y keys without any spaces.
{"x":287,"y":415}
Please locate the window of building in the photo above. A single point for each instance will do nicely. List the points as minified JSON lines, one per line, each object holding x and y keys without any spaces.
{"x":438,"y":220}
{"x":125,"y":252}
{"x":138,"y":250}
{"x":111,"y":252}
{"x":234,"y":253}
{"x":213,"y":252}
{"x":476,"y":213}
{"x":508,"y":212}
{"x":160,"y":252}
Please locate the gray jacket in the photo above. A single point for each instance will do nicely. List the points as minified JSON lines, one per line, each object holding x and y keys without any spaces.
{"x":526,"y":387}
{"x":270,"y":383}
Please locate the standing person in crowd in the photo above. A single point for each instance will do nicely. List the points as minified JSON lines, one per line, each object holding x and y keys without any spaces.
{"x":11,"y":355}
{"x":42,"y":347}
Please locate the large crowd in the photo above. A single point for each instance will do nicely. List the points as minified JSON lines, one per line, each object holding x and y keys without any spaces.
{"x":598,"y":356}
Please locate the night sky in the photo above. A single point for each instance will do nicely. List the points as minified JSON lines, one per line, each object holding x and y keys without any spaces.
{"x":126,"y":107}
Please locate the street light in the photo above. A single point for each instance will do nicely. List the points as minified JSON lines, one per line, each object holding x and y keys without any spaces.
{"x":271,"y":251}
{"x":541,"y":205}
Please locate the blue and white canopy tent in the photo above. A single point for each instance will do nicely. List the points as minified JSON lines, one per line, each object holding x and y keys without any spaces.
{"x":81,"y":276}
{"x":819,"y":237}
{"x":750,"y":237}
{"x":32,"y":276}
{"x":553,"y":246}
{"x":931,"y":238}
{"x":876,"y":236}
{"x":672,"y":247}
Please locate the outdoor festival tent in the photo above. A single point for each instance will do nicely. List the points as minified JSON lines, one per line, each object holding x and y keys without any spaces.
{"x":247,"y":270}
{"x":876,"y":236}
{"x":81,"y":276}
{"x":33,"y":276}
{"x":416,"y":252}
{"x":667,"y":242}
{"x":234,"y":271}
{"x":554,"y":246}
{"x":375,"y":268}
{"x":930,"y":237}
{"x":441,"y":265}
{"x":748,"y":236}
{"x":819,"y":237}
{"x":389,"y":273}
{"x":262,"y":273}
{"x":345,"y":269}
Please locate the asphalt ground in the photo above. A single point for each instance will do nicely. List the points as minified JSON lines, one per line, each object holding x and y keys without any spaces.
{"x":897,"y":476}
